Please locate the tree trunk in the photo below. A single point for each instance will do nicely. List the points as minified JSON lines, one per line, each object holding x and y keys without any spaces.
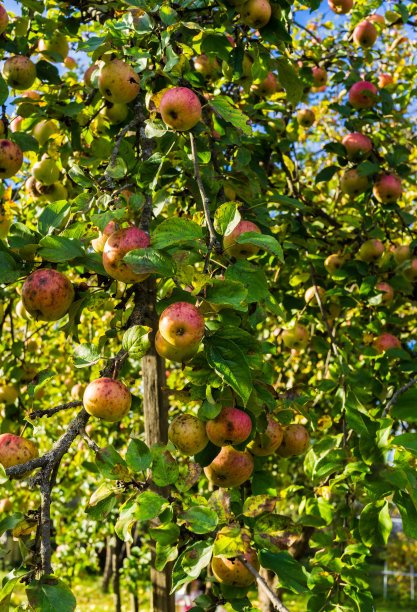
{"x":116,"y":559}
{"x":108,"y":566}
{"x":134,"y":601}
{"x":155,"y":408}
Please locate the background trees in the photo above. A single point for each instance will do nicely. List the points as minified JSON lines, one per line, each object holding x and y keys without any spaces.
{"x":255,"y":162}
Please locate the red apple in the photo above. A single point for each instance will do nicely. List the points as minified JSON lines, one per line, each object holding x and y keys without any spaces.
{"x":387,"y":292}
{"x":384,"y":80}
{"x":362,"y":95}
{"x":353,"y":184}
{"x":357,"y":144}
{"x":319,"y":76}
{"x":387,"y":188}
{"x":385,"y":342}
{"x":188,"y":434}
{"x":231,"y":426}
{"x":117,"y":246}
{"x":180,"y":108}
{"x":371,"y":250}
{"x":169,"y":351}
{"x":240,"y":251}
{"x":182,"y":325}
{"x":107,"y":399}
{"x":15,"y":450}
{"x":230,"y":468}
{"x":365,"y":34}
{"x":47,"y":294}
{"x":256,"y":13}
{"x":340,"y":7}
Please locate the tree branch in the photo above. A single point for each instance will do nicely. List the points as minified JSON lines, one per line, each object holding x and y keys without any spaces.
{"x":51,"y":411}
{"x":276,"y":602}
{"x":397,"y":394}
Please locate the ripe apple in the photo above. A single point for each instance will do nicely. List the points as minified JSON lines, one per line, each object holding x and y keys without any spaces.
{"x":88,"y":74}
{"x":353,"y":184}
{"x":19,"y":72}
{"x":53,"y":193}
{"x":188,"y":434}
{"x":107,"y":399}
{"x":57,"y":44}
{"x":15,"y":450}
{"x":69,"y":62}
{"x":385,"y":342}
{"x":230,"y":468}
{"x":385,"y":80}
{"x":117,"y":246}
{"x":232,"y":248}
{"x":46,"y":171}
{"x":47,"y":294}
{"x":44,"y":130}
{"x":267,"y":442}
{"x":206,"y":66}
{"x":411,"y":272}
{"x":334,"y":262}
{"x":310,"y":296}
{"x":265,"y":88}
{"x":99,"y":243}
{"x":295,"y":441}
{"x":8,"y":394}
{"x":234,"y":572}
{"x":169,"y":351}
{"x":5,"y":503}
{"x":296,"y":337}
{"x":387,"y":188}
{"x":365,"y":34}
{"x":306,"y":117}
{"x":4,"y":19}
{"x":256,"y":13}
{"x":387,"y":292}
{"x":357,"y":145}
{"x":401,"y":253}
{"x":77,"y":391}
{"x":380,"y":19}
{"x":182,"y":325}
{"x":32,"y":95}
{"x":5,"y":223}
{"x":180,"y":108}
{"x":16,"y":124}
{"x":115,"y":113}
{"x":118,"y":82}
{"x":363,"y":95}
{"x":230,"y":426}
{"x":340,"y":7}
{"x":319,"y":76}
{"x":371,"y":250}
{"x":11,"y":158}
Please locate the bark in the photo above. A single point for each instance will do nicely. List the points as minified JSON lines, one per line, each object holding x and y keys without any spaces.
{"x":116,"y":563}
{"x":108,"y":566}
{"x":271,"y":580}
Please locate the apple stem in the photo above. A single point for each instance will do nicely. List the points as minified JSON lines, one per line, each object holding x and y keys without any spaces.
{"x":277,"y":603}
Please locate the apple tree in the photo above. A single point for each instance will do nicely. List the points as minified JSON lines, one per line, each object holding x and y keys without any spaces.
{"x":207,"y":267}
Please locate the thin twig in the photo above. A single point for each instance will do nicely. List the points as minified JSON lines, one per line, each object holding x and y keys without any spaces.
{"x":51,"y":411}
{"x":276,"y":602}
{"x":309,"y":32}
{"x":397,"y":394}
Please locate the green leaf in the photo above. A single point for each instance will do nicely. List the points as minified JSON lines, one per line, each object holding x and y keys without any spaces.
{"x":168,"y":15}
{"x":196,"y":558}
{"x":45,"y":71}
{"x":102,"y":502}
{"x":367,"y":168}
{"x":216,"y":44}
{"x":136,"y":340}
{"x":408,"y":441}
{"x":258,"y":504}
{"x":85,"y":355}
{"x":175,"y":231}
{"x":6,"y":593}
{"x":220,"y":502}
{"x":25,"y":141}
{"x":4,"y":91}
{"x":9,"y":271}
{"x":150,"y":261}
{"x":126,"y":520}
{"x":138,"y":455}
{"x":263,"y":241}
{"x":3,"y":476}
{"x":49,"y":594}
{"x":117,"y":169}
{"x":165,"y":535}
{"x":375,"y":523}
{"x":226,"y":218}
{"x":9,"y":522}
{"x":149,"y":505}
{"x":223,"y":106}
{"x":59,"y":248}
{"x":39,"y":379}
{"x":79,"y":177}
{"x":291,"y":574}
{"x":404,"y":408}
{"x":230,"y":542}
{"x":327,"y":173}
{"x":252,"y":278}
{"x":408,"y":511}
{"x":200,"y":519}
{"x":269,"y":532}
{"x":164,"y":554}
{"x":165,"y":470}
{"x":290,"y":81}
{"x":226,"y":293}
{"x":53,"y":216}
{"x":226,"y":358}
{"x":111,"y":465}
{"x":93,"y":43}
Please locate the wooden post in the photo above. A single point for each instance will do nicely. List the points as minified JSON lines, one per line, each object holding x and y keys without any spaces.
{"x":155,"y":409}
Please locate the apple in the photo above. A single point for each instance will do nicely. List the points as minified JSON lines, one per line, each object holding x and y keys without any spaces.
{"x":365,"y":34}
{"x":334,"y":262}
{"x":169,"y":351}
{"x":182,"y":325}
{"x":188,"y":434}
{"x":265,"y":88}
{"x":385,"y":80}
{"x":310,"y":296}
{"x":15,"y":450}
{"x":232,"y":248}
{"x":77,"y":391}
{"x":180,"y":108}
{"x":387,"y":188}
{"x":362,"y":95}
{"x":411,"y":272}
{"x":31,"y":346}
{"x":385,"y":342}
{"x":69,"y":62}
{"x":296,"y":337}
{"x":47,"y":294}
{"x":19,"y":72}
{"x":256,"y":13}
{"x":371,"y":250}
{"x":229,"y":192}
{"x":206,"y":66}
{"x":230,"y":426}
{"x":118,"y":82}
{"x":16,"y":124}
{"x":230,"y":468}
{"x":29,"y":372}
{"x":52,"y":193}
{"x":89,"y":73}
{"x":295,"y":441}
{"x":11,"y":158}
{"x":4,"y":19}
{"x":8,"y":394}
{"x":319,"y":76}
{"x":357,"y":145}
{"x":306,"y":117}
{"x":107,"y":399}
{"x":266,"y":443}
{"x":117,"y":246}
{"x":99,"y":243}
{"x":340,"y":7}
{"x":46,"y":171}
{"x":5,"y":223}
{"x":234,"y":572}
{"x":380,"y":19}
{"x":353,"y":184}
{"x":277,"y":125}
{"x":57,"y":44}
{"x":5,"y":504}
{"x":114,"y":112}
{"x":387,"y":292}
{"x":32,"y":95}
{"x":401,"y":253}
{"x":44,"y":130}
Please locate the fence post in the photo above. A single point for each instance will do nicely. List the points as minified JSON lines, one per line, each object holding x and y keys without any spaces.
{"x":385,"y":592}
{"x":412,"y":582}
